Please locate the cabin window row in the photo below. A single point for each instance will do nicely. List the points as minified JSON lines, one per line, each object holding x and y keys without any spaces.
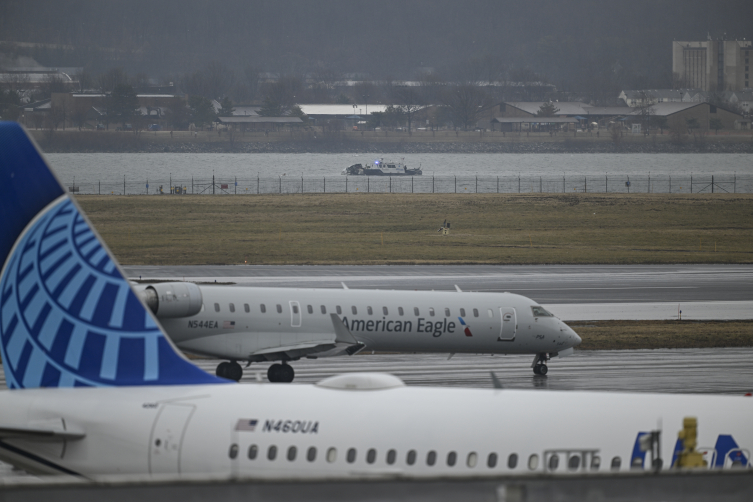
{"x":411,"y":456}
{"x":354,"y":310}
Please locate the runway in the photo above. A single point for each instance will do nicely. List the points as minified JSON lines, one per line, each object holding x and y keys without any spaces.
{"x":720,"y":371}
{"x":552,"y":284}
{"x":572,"y":292}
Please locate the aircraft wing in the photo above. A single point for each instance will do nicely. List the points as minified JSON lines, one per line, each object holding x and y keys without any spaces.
{"x":50,"y":430}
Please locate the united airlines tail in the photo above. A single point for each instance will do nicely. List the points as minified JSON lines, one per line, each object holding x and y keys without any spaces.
{"x":68,"y":317}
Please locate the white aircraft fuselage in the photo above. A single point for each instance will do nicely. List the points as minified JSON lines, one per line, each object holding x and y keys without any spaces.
{"x":361,"y":424}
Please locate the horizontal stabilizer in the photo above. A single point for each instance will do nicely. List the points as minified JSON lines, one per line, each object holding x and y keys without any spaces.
{"x":50,"y":430}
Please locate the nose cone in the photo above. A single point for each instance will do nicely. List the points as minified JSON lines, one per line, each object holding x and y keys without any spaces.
{"x":571,"y":337}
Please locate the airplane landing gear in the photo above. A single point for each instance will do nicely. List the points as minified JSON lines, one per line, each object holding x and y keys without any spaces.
{"x":281,"y":373}
{"x":230,"y":370}
{"x":539,"y":364}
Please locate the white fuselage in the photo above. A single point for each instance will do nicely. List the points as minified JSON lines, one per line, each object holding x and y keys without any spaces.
{"x":269,"y":430}
{"x":244,"y":323}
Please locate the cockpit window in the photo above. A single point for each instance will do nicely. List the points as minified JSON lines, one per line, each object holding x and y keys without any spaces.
{"x":541,"y":312}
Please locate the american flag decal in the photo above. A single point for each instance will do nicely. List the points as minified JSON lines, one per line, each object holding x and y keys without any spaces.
{"x":228,"y":324}
{"x":467,"y":330}
{"x":246,"y":424}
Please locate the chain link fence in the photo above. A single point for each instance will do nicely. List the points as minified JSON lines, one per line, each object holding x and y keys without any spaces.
{"x":421,"y":184}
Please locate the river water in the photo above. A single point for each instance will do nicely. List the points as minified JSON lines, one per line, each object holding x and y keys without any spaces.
{"x":106,"y":172}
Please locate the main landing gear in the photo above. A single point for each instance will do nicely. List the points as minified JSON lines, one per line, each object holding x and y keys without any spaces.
{"x":229,"y":370}
{"x":281,"y":373}
{"x":539,"y":364}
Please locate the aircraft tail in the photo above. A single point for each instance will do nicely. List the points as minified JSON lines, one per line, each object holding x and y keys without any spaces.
{"x":68,"y":316}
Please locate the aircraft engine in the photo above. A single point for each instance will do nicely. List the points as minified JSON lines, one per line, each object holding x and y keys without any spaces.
{"x":172,"y":299}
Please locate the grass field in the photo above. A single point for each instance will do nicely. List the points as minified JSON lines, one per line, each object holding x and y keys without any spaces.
{"x":626,"y":335}
{"x":402,"y":228}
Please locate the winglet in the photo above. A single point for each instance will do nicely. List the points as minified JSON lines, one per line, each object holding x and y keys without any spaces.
{"x":344,"y":336}
{"x":457,"y":288}
{"x":495,"y":381}
{"x":68,"y":316}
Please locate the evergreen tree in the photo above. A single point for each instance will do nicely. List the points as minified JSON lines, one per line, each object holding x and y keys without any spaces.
{"x":226,"y":108}
{"x":547,"y":110}
{"x":122,"y":104}
{"x":202,"y":111}
{"x":270,"y":108}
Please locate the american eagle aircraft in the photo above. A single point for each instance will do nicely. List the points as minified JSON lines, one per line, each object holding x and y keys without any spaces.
{"x":285,"y":324}
{"x":97,"y":389}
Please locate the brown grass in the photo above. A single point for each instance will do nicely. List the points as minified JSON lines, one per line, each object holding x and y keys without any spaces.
{"x":402,"y":228}
{"x":627,"y":335}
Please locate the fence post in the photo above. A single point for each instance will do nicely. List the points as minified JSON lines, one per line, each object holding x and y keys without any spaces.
{"x":301,"y":185}
{"x":99,"y":190}
{"x":712,"y":183}
{"x":124,"y":184}
{"x":648,"y":189}
{"x":257,"y":183}
{"x":280,"y":184}
{"x":411,"y":184}
{"x":325,"y":184}
{"x":432,"y":184}
{"x":346,"y":184}
{"x":236,"y":185}
{"x":518,"y":183}
{"x":606,"y":184}
{"x":734,"y":184}
{"x":171,"y":182}
{"x":476,"y":184}
{"x":191,"y":184}
{"x":540,"y":186}
{"x":563,"y":183}
{"x":368,"y":184}
{"x":691,"y":182}
{"x":497,"y":184}
{"x":147,"y":186}
{"x":670,"y":184}
{"x":212,"y":183}
{"x":390,"y":184}
{"x":585,"y":184}
{"x":456,"y":184}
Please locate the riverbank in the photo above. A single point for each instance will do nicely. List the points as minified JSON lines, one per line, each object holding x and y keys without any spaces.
{"x":378,"y":142}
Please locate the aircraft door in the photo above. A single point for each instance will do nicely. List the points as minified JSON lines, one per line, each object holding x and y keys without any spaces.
{"x":295,"y":314}
{"x":167,"y":437}
{"x":509,"y":324}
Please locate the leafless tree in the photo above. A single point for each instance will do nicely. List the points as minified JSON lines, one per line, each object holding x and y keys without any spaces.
{"x":465,"y":103}
{"x":408,"y":99}
{"x":112,"y":78}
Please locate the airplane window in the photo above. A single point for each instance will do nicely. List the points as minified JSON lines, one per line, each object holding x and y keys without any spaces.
{"x":415,"y":311}
{"x":431,"y":458}
{"x":331,"y":455}
{"x":533,"y":462}
{"x":554,"y":462}
{"x":292,"y":453}
{"x":472,"y":459}
{"x":295,"y":309}
{"x":446,"y":312}
{"x":385,"y":311}
{"x":512,"y":461}
{"x":451,"y":458}
{"x":339,"y":310}
{"x":371,"y":456}
{"x":541,"y":312}
{"x":462,"y":312}
{"x":369,"y":311}
{"x":279,"y":308}
{"x":573,"y":463}
{"x":491,"y":461}
{"x":272,"y":452}
{"x":253,"y":451}
{"x":411,"y":458}
{"x":351,"y":457}
{"x":263,"y":308}
{"x":246,"y":308}
{"x":490,"y":313}
{"x":233,"y":450}
{"x":616,"y":463}
{"x":232,"y":307}
{"x":637,"y":463}
{"x":475,"y":312}
{"x":400,"y":310}
{"x":310,"y":308}
{"x":216,"y":307}
{"x":595,"y":463}
{"x":391,"y":456}
{"x":324,"y":309}
{"x":311,"y":454}
{"x":431,"y":311}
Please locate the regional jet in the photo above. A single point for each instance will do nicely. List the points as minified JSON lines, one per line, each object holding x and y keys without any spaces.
{"x":97,"y":389}
{"x":286,"y":324}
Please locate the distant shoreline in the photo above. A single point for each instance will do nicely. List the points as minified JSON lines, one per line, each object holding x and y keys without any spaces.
{"x":380,"y":142}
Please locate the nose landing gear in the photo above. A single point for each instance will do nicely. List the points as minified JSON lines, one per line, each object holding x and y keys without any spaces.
{"x":230,"y":370}
{"x":283,"y":373}
{"x":539,"y":364}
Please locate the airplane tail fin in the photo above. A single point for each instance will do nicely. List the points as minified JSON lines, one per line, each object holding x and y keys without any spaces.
{"x":68,"y":316}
